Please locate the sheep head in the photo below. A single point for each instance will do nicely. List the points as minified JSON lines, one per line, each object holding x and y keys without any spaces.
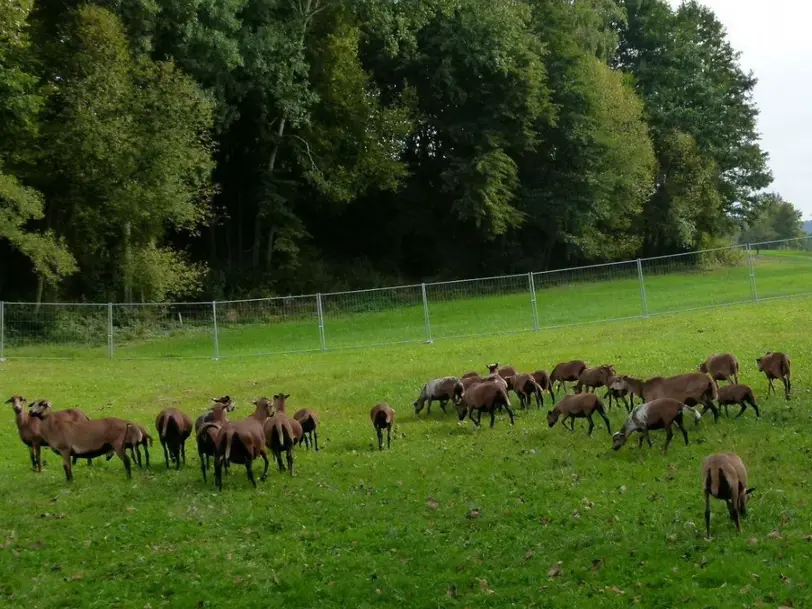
{"x":552,"y":417}
{"x":279,"y":402}
{"x":618,"y":440}
{"x":17,"y":403}
{"x":758,"y":363}
{"x":40,"y":409}
{"x":492,"y":368}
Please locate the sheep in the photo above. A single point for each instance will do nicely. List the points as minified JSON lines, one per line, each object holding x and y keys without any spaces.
{"x":309,"y":421}
{"x":592,"y":378}
{"x":525,"y":386}
{"x":504,"y":371}
{"x":738,"y":394}
{"x":579,"y":406}
{"x":242,"y":442}
{"x":173,"y":428}
{"x":617,"y":390}
{"x":137,"y":437}
{"x":660,"y":413}
{"x":206,"y":435}
{"x":208,"y":416}
{"x":725,"y":477}
{"x":690,"y":389}
{"x":469,"y":375}
{"x":86,"y":439}
{"x":441,"y":389}
{"x":543,"y":379}
{"x":383,"y":416}
{"x":567,"y":371}
{"x":485,"y":396}
{"x":282,"y":432}
{"x":470,"y":381}
{"x":721,"y":367}
{"x":776,"y":365}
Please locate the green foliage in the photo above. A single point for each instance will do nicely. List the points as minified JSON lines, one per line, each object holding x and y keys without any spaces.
{"x":160,"y":273}
{"x":775,"y":219}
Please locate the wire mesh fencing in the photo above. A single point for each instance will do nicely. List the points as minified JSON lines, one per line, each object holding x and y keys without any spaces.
{"x":413,"y":313}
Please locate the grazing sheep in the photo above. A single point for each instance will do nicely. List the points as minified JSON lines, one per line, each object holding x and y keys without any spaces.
{"x":738,"y":394}
{"x":616,"y":390}
{"x":208,"y":416}
{"x":725,"y":477}
{"x":567,"y":372}
{"x":487,"y":397}
{"x":383,"y":416}
{"x":690,"y":389}
{"x":84,"y":439}
{"x":578,"y":406}
{"x":242,"y":442}
{"x":525,"y":386}
{"x":173,"y":428}
{"x":592,"y":378}
{"x":309,"y":421}
{"x":543,"y":379}
{"x":282,"y":432}
{"x":504,"y":371}
{"x":776,"y":365}
{"x":442,"y":389}
{"x":660,"y":413}
{"x":721,"y":367}
{"x":206,"y":435}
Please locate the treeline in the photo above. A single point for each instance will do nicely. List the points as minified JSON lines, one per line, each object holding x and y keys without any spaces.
{"x":154,"y":149}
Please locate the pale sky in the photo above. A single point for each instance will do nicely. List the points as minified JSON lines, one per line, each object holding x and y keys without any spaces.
{"x":775,"y":43}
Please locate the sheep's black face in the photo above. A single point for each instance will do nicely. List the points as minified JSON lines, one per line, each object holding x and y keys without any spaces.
{"x":418,"y":406}
{"x":758,"y":363}
{"x":552,"y":418}
{"x":461,"y":413}
{"x":618,"y":440}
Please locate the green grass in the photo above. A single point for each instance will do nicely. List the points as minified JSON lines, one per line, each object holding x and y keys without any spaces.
{"x":362,"y":528}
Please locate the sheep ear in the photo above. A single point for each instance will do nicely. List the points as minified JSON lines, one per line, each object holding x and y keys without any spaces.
{"x":749,"y":490}
{"x":254,"y":402}
{"x":9,"y":401}
{"x":285,"y":396}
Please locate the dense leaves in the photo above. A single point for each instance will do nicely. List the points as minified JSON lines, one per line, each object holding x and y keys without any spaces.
{"x":154,"y":149}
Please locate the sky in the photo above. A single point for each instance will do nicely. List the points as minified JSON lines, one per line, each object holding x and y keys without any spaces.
{"x":775,"y":43}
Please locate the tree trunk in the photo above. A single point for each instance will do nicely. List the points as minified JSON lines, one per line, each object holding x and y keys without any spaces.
{"x":40,"y":291}
{"x":280,"y":131}
{"x":128,"y":269}
{"x":269,"y":251}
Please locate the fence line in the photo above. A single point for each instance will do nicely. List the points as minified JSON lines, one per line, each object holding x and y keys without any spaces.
{"x":416,"y":313}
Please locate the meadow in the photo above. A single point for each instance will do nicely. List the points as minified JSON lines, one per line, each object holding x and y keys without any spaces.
{"x":451,"y":516}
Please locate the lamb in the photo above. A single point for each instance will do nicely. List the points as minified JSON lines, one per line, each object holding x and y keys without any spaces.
{"x":578,"y":406}
{"x":282,"y":432}
{"x":738,"y":394}
{"x":86,"y":439}
{"x":206,"y":435}
{"x":487,"y":397}
{"x":525,"y":386}
{"x":242,"y":442}
{"x":690,"y":389}
{"x":383,"y":416}
{"x":618,"y":390}
{"x":592,"y":378}
{"x":441,"y":389}
{"x":776,"y":365}
{"x":543,"y":380}
{"x":209,"y":415}
{"x":660,"y":413}
{"x":721,"y":367}
{"x":309,"y":421}
{"x":173,"y":428}
{"x":725,"y":477}
{"x":567,"y":371}
{"x":504,"y":371}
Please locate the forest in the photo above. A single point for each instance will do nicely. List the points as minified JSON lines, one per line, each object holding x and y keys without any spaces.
{"x":182,"y":149}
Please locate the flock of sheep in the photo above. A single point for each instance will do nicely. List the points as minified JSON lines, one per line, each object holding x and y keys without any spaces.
{"x":73,"y":435}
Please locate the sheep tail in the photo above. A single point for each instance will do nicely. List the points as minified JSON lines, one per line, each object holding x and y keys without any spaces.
{"x":787,"y":368}
{"x":229,"y":439}
{"x":165,"y":426}
{"x":279,"y":426}
{"x":505,"y":396}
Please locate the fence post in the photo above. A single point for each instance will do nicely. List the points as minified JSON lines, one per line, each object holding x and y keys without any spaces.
{"x":321,"y":322}
{"x":426,"y":318}
{"x":533,"y":303}
{"x":109,"y":330}
{"x":2,"y":331}
{"x":752,"y":272}
{"x":643,"y":299}
{"x":216,"y":336}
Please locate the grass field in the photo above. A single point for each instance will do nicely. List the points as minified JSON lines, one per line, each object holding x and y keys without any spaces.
{"x":563,"y":520}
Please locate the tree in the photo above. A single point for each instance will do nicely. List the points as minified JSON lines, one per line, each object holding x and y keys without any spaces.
{"x":775,"y":219}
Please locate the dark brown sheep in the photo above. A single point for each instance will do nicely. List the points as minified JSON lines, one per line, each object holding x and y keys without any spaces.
{"x":592,"y":378}
{"x":488,"y":397}
{"x":174,"y":427}
{"x":209,"y":415}
{"x":738,"y":394}
{"x":309,"y":421}
{"x":567,"y":372}
{"x":383,"y":417}
{"x":690,"y":389}
{"x":206,"y":434}
{"x":578,"y":406}
{"x":660,"y":413}
{"x":282,"y":432}
{"x":441,"y":389}
{"x":504,"y":371}
{"x":721,"y":367}
{"x":617,"y":390}
{"x":543,"y":379}
{"x":470,"y":381}
{"x":137,"y":438}
{"x":776,"y":365}
{"x":243,"y":442}
{"x":725,"y":477}
{"x":525,"y":386}
{"x":470,"y":375}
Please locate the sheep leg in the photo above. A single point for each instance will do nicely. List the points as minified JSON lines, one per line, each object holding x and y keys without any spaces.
{"x":743,"y":408}
{"x":122,"y":454}
{"x":203,"y":463}
{"x":306,"y":440}
{"x":681,"y":426}
{"x":605,"y":420}
{"x":707,"y":513}
{"x":640,"y":441}
{"x":428,"y":410}
{"x":166,"y":453}
{"x":389,"y":436}
{"x":709,"y":406}
{"x":626,"y":403}
{"x":137,"y":450}
{"x":770,"y":386}
{"x":493,"y":417}
{"x":249,"y":470}
{"x":669,"y":434}
{"x":510,"y":414}
{"x":552,"y":395}
{"x":572,"y":423}
{"x":648,"y":438}
{"x":33,"y":457}
{"x":278,"y":454}
{"x":66,"y":465}
{"x":379,"y":431}
{"x":290,"y":459}
{"x":591,"y":425}
{"x":787,"y":386}
{"x":734,"y":514}
{"x":218,"y":471}
{"x":442,"y":405}
{"x":753,"y":404}
{"x":316,"y":439}
{"x":183,"y":451}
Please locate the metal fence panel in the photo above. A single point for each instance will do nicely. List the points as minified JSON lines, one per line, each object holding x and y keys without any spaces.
{"x":265,"y":326}
{"x":473,"y":307}
{"x":587,"y":294}
{"x":696,"y":280}
{"x":54,"y":330}
{"x":380,"y":316}
{"x":782,"y":268}
{"x":150,"y":330}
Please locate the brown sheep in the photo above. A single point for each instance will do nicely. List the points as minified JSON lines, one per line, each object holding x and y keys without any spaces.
{"x":578,"y":406}
{"x":469,"y":375}
{"x":174,"y":427}
{"x":776,"y":365}
{"x":617,"y":390}
{"x":567,"y":372}
{"x":592,"y":378}
{"x":721,"y":367}
{"x":309,"y":421}
{"x":488,"y":397}
{"x":282,"y":432}
{"x":725,"y":477}
{"x":525,"y":386}
{"x":206,"y":435}
{"x":470,"y":381}
{"x":243,"y":442}
{"x":690,"y":389}
{"x":137,"y":437}
{"x":383,"y":417}
{"x":209,"y":415}
{"x":442,"y":390}
{"x":504,"y":371}
{"x":738,"y":394}
{"x":543,"y":379}
{"x":660,"y":413}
